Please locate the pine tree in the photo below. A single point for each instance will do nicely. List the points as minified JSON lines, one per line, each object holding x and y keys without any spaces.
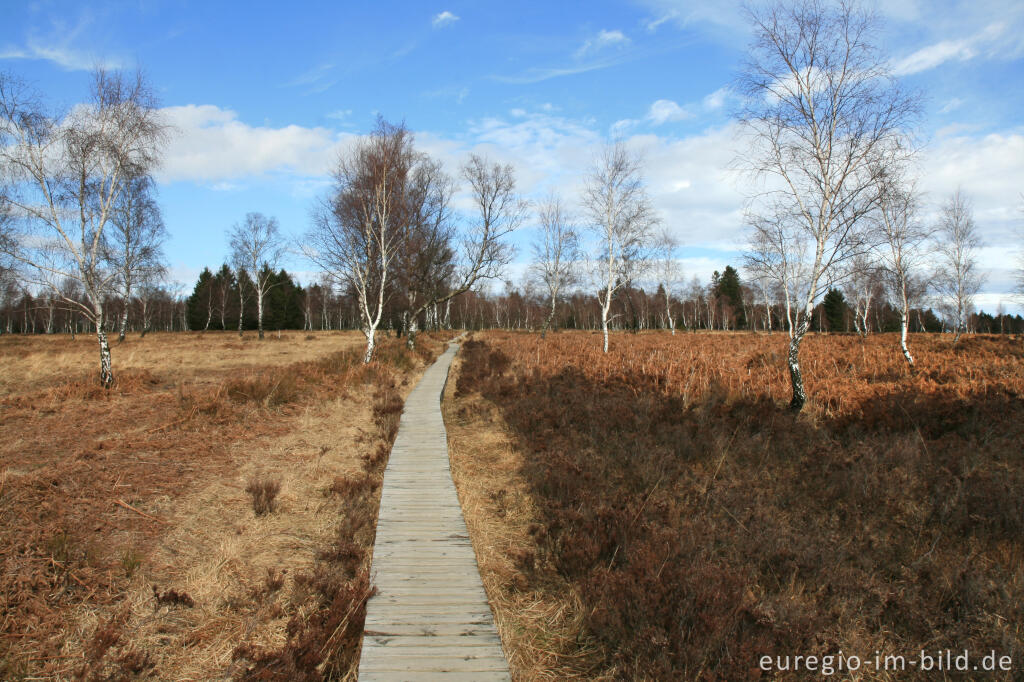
{"x":727,"y":288}
{"x":834,"y":307}
{"x":200,"y":303}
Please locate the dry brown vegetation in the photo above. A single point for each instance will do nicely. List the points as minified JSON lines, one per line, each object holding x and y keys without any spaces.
{"x":130,"y":547}
{"x":659,"y":513}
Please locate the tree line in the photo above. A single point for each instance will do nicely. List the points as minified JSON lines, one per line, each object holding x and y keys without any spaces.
{"x":837,"y":237}
{"x":724,"y":303}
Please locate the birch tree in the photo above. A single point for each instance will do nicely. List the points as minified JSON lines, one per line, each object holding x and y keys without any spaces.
{"x":137,"y":234}
{"x":64,"y":177}
{"x":621,"y":218}
{"x":244,"y":287}
{"x":426,"y":262}
{"x":821,"y":111}
{"x":257,"y":247}
{"x":958,"y":279}
{"x":667,"y":272}
{"x":777,"y":252}
{"x":357,"y":229}
{"x":555,"y":253}
{"x":863,"y":285}
{"x":483,"y":251}
{"x":903,"y":241}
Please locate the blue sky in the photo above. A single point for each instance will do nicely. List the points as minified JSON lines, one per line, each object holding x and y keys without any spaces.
{"x":263,"y":96}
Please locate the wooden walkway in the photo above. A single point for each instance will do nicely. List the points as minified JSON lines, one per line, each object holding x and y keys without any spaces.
{"x":430,"y":618}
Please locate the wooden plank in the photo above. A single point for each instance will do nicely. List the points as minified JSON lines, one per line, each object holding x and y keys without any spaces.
{"x":430,"y":618}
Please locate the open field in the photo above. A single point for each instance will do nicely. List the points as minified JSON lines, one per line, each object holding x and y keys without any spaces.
{"x":658,"y":513}
{"x":130,"y":542}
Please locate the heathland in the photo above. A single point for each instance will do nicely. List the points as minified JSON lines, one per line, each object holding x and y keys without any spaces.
{"x":209,"y":515}
{"x":658,"y":512}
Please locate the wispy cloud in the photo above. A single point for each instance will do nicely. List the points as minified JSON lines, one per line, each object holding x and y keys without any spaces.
{"x":443,"y":19}
{"x":602,"y":41}
{"x":315,"y":80}
{"x":61,"y":44}
{"x":61,"y":55}
{"x":653,"y":24}
{"x":952,"y":104}
{"x":536,"y":74}
{"x":458,"y":93}
{"x":962,"y":49}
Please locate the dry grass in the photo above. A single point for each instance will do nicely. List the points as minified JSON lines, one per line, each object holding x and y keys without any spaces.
{"x":108,"y":496}
{"x":34,"y":362}
{"x":541,"y":636}
{"x":659,"y":513}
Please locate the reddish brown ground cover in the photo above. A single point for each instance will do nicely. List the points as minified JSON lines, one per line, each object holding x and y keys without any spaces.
{"x":662,"y":515}
{"x":129,"y":545}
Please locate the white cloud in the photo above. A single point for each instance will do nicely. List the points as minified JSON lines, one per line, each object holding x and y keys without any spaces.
{"x":989,"y":168}
{"x":459,"y":94}
{"x":986,"y":41}
{"x":717,"y":99}
{"x":620,"y":128}
{"x":934,"y":55}
{"x":653,"y":24}
{"x":697,"y":196}
{"x":603,"y":40}
{"x":225,"y":186}
{"x":952,"y":104}
{"x":315,"y":80}
{"x":536,"y":75}
{"x":340,"y":114}
{"x":61,"y":55}
{"x":660,"y":112}
{"x":667,"y":111}
{"x":723,"y":18}
{"x":60,"y":43}
{"x":443,"y":19}
{"x":210,"y":144}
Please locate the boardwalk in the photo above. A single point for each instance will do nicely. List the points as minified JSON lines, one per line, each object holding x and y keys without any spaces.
{"x":430,"y":618}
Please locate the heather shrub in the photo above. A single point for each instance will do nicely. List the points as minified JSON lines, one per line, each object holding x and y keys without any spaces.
{"x":703,"y":525}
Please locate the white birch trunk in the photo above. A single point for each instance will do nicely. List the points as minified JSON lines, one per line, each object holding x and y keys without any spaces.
{"x":259,"y":312}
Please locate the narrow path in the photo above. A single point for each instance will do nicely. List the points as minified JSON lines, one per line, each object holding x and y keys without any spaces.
{"x":430,"y":618}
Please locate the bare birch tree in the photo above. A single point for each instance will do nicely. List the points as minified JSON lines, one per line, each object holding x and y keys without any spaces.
{"x":822,"y":110}
{"x":137,"y":234}
{"x":64,"y":176}
{"x":777,"y":252}
{"x":667,"y":272}
{"x":903,"y":241}
{"x":256,"y":247}
{"x":357,"y":230}
{"x":862,"y":287}
{"x":426,"y":257}
{"x":555,"y":253}
{"x":615,"y":200}
{"x":958,"y":279}
{"x":483,"y":251}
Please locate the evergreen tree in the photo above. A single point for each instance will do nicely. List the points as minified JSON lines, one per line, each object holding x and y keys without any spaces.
{"x":283,"y":305}
{"x":727,"y":288}
{"x":834,"y":306}
{"x":200,"y":303}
